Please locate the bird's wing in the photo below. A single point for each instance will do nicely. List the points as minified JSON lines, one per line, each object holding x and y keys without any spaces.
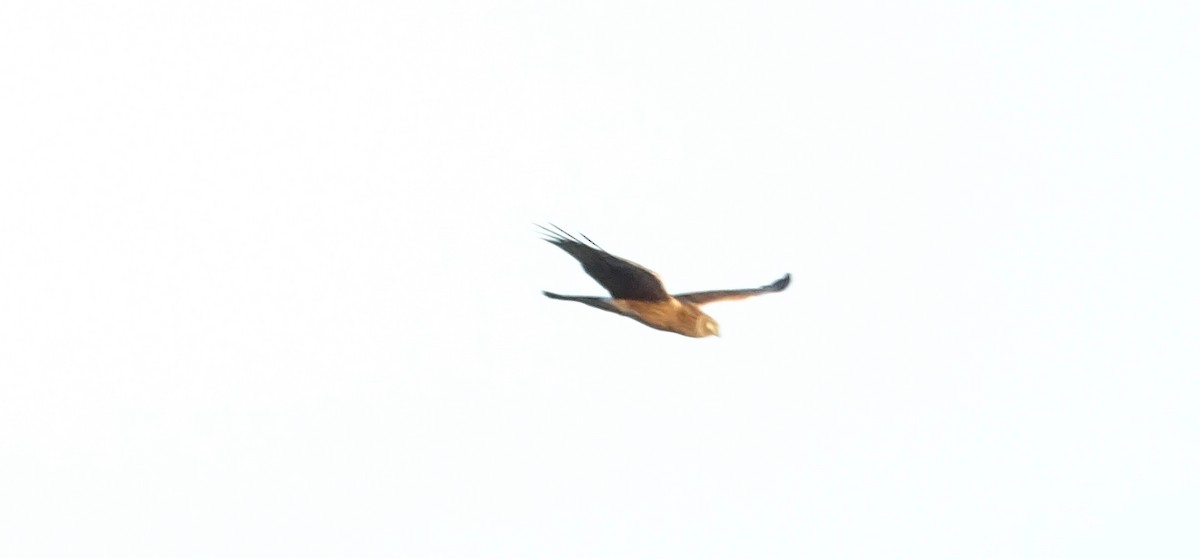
{"x":622,"y":278}
{"x":705,"y":297}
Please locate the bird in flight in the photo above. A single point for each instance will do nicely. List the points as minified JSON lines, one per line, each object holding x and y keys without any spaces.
{"x":639,"y":294}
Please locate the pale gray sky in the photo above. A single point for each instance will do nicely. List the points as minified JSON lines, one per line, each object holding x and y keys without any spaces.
{"x":271,"y":286}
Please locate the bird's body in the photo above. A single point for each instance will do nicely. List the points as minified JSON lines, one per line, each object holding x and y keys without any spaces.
{"x":671,"y":315}
{"x":639,"y":294}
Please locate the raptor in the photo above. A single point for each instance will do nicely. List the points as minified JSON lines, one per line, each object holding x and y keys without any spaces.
{"x":638,"y":293}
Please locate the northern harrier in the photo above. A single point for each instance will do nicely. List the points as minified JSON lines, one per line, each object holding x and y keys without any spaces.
{"x":639,"y":294}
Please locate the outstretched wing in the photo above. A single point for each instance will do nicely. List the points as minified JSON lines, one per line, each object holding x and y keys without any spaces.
{"x":704,"y":297}
{"x":622,"y":278}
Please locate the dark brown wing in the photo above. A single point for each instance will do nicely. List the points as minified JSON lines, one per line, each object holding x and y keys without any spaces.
{"x":704,"y":297}
{"x":622,"y":278}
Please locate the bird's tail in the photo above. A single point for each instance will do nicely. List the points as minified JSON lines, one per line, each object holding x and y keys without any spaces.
{"x":601,"y":303}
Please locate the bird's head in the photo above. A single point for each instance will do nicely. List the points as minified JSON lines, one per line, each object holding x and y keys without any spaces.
{"x":694,"y":323}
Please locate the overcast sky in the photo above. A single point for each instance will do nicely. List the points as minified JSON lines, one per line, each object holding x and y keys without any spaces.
{"x":270,"y":284}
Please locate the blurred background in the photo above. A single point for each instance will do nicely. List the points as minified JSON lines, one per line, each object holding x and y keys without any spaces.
{"x":270,"y":284}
